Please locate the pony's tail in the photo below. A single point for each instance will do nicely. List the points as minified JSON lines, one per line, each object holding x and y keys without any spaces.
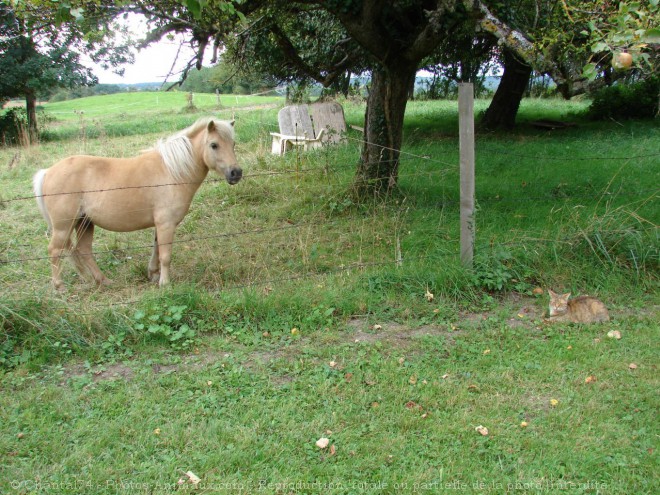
{"x":38,"y":186}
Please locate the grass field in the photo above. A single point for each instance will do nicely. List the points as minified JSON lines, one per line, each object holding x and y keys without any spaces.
{"x":297,"y":313}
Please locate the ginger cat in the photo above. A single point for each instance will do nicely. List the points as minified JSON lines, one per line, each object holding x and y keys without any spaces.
{"x":582,"y":309}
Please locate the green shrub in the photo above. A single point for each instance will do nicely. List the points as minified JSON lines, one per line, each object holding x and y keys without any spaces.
{"x":14,"y":125}
{"x":626,"y":101}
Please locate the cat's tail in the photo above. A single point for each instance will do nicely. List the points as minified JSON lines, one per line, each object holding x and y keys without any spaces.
{"x":38,"y":186}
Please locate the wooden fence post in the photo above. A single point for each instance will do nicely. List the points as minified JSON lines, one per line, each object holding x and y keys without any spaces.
{"x":466,"y":145}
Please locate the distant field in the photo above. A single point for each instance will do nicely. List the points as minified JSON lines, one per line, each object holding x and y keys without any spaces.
{"x":151,"y":103}
{"x":135,"y":113}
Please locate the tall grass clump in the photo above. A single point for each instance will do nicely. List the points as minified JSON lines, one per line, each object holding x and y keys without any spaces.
{"x":14,"y":127}
{"x":619,"y":237}
{"x":36,"y":331}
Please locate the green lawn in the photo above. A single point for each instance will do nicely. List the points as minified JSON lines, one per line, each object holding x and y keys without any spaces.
{"x":298,"y":313}
{"x":157,"y":102}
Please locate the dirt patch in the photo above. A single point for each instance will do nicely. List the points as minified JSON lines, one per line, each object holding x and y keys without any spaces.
{"x":124,"y":371}
{"x":401,"y":336}
{"x":193,"y":362}
{"x":397,"y":335}
{"x":115,"y":371}
{"x":521,"y":312}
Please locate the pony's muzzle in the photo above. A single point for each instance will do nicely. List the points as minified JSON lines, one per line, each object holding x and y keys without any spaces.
{"x":233,"y":175}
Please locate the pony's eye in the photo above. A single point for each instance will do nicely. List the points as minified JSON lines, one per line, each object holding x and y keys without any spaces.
{"x":214,"y":146}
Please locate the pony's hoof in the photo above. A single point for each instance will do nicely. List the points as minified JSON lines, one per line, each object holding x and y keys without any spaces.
{"x":154,"y":277}
{"x":105,"y":282}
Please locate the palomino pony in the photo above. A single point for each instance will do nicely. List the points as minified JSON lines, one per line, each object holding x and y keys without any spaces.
{"x":153,"y":189}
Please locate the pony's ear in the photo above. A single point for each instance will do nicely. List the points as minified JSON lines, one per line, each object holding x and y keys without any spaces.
{"x":232,"y":122}
{"x":211,"y":126}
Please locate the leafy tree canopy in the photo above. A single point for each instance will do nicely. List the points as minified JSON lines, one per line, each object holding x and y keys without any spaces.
{"x":41,"y":43}
{"x":616,"y":27}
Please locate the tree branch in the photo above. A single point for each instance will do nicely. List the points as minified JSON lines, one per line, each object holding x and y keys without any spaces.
{"x":291,"y":53}
{"x":427,"y":41}
{"x":568,"y":84}
{"x":364,"y":28}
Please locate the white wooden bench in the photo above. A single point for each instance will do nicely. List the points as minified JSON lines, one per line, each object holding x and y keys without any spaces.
{"x":308,"y":126}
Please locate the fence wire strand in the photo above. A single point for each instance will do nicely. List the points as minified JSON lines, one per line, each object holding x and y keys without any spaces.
{"x":352,"y":265}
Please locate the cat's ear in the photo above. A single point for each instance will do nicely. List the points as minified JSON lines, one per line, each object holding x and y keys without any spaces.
{"x":551,"y":293}
{"x":567,"y":295}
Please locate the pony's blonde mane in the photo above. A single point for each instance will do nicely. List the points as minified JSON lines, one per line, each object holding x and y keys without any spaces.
{"x":177,"y":150}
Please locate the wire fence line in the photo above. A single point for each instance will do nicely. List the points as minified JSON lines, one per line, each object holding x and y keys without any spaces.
{"x":643,"y":194}
{"x":267,"y":284}
{"x":540,"y":237}
{"x":443,"y":203}
{"x":452,"y":167}
{"x":274,"y":173}
{"x":239,"y":196}
{"x":447,"y":200}
{"x":249,"y":176}
{"x":176,"y":241}
{"x":573,"y":157}
{"x":225,"y":235}
{"x":347,"y":137}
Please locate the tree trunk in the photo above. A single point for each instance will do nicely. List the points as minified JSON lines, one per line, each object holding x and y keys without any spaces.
{"x":378,"y":170}
{"x":31,"y":108}
{"x":501,"y":113}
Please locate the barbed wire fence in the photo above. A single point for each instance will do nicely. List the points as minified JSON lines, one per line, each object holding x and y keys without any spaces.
{"x":443,"y":169}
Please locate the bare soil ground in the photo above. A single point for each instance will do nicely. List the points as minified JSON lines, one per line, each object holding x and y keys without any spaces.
{"x":526,"y":313}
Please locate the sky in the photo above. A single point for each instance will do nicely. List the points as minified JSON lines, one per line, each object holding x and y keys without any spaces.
{"x":153,"y":63}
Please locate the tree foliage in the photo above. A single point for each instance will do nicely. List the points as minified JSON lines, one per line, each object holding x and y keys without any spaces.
{"x":621,"y":26}
{"x":34,"y":59}
{"x":226,"y":79}
{"x":205,"y":24}
{"x":41,"y":42}
{"x":285,"y":44}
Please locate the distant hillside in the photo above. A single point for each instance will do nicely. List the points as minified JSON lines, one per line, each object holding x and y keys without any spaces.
{"x":147,"y":102}
{"x":143,"y":86}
